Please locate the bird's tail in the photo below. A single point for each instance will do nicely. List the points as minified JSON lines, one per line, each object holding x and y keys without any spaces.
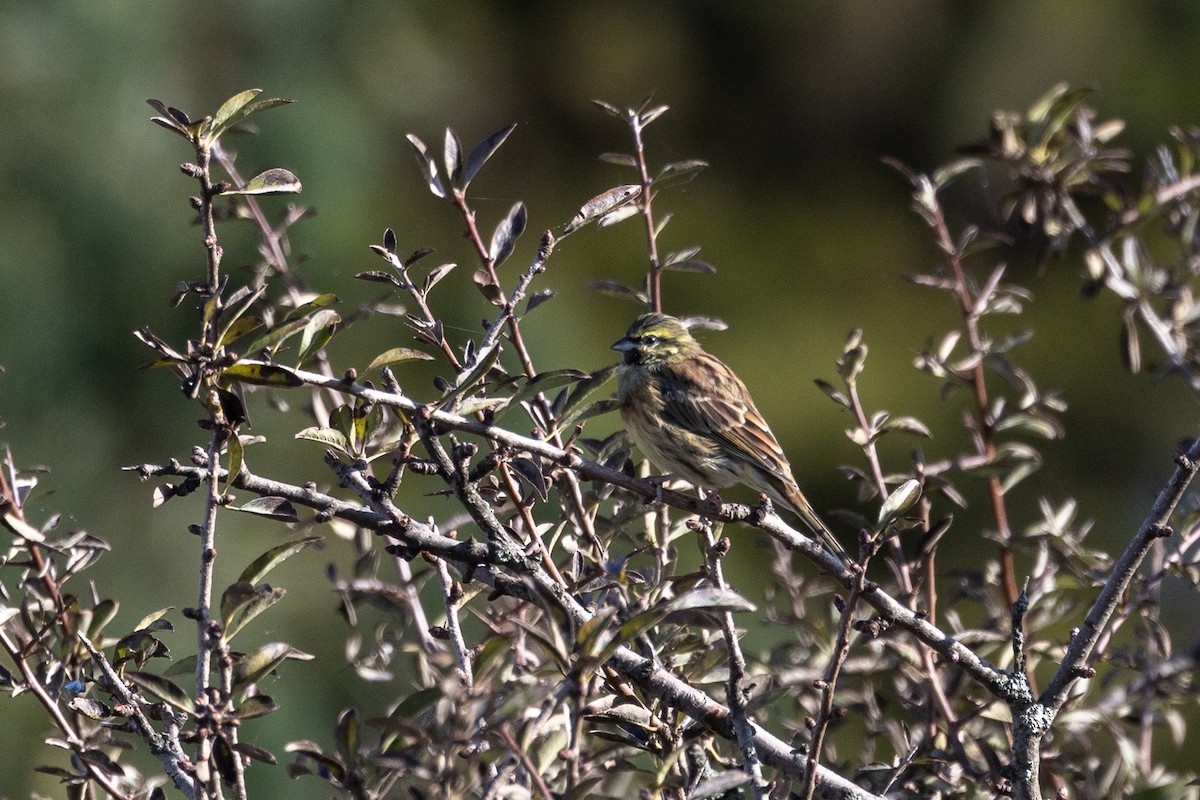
{"x":803,"y":509}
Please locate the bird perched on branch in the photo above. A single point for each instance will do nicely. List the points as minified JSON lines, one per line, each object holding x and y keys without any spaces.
{"x":692,"y":416}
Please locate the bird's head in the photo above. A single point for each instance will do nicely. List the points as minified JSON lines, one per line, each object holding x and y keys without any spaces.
{"x":656,"y":339}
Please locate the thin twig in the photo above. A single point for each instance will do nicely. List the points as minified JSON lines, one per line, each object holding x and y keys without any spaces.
{"x":64,"y":725}
{"x":166,"y":748}
{"x":452,"y":596}
{"x":737,"y":690}
{"x":490,"y":563}
{"x":828,"y":686}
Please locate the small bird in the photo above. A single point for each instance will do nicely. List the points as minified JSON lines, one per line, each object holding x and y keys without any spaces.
{"x":693,"y":417}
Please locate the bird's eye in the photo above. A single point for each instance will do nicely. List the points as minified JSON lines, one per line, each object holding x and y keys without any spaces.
{"x":651,"y":340}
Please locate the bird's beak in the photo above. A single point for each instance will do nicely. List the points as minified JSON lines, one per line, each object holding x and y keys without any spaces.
{"x":624,"y":345}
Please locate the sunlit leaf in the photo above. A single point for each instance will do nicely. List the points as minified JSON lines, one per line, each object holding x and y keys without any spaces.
{"x":428,"y":166}
{"x":263,"y":661}
{"x":236,"y":109}
{"x":272,"y":181}
{"x":544,"y":382}
{"x":257,"y":706}
{"x":899,"y":501}
{"x":166,"y":690}
{"x":436,"y":274}
{"x":320,"y":329}
{"x":326,"y":436}
{"x":262,"y":374}
{"x":709,"y":599}
{"x":239,"y":328}
{"x":602,"y":204}
{"x":273,"y":507}
{"x":346,"y":736}
{"x":244,"y":607}
{"x":262,"y":565}
{"x":452,"y":156}
{"x":154,"y":618}
{"x":396,"y":355}
{"x":234,"y":468}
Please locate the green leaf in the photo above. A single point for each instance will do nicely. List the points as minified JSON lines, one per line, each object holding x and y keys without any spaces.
{"x":233,"y":106}
{"x":327,"y":436}
{"x":239,"y":328}
{"x":163,"y":362}
{"x":641,"y":622}
{"x":899,"y":501}
{"x":262,"y":374}
{"x":236,"y":109}
{"x":368,"y":416}
{"x":316,"y":304}
{"x":236,"y":595}
{"x":710,"y":599}
{"x":257,"y":706}
{"x":341,"y":420}
{"x":852,"y":362}
{"x":417,"y":702}
{"x":235,"y":307}
{"x":271,"y":559}
{"x":102,"y":614}
{"x":346,"y":736}
{"x":276,"y":180}
{"x":139,"y":647}
{"x":236,"y":454}
{"x":610,"y":109}
{"x":834,"y":394}
{"x":317,"y":333}
{"x":436,"y":274}
{"x":263,"y":661}
{"x":544,"y":382}
{"x":271,"y":507}
{"x":166,"y":690}
{"x":243,"y":609}
{"x":576,"y":404}
{"x":625,"y":212}
{"x":271,"y":340}
{"x":397,"y":354}
{"x":153,"y":619}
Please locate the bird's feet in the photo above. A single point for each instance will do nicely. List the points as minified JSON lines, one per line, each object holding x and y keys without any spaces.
{"x":660,"y":482}
{"x":713,"y":504}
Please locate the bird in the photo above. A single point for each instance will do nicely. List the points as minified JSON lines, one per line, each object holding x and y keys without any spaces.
{"x":693,"y":417}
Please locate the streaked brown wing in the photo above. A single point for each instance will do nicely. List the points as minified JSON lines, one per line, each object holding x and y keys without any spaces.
{"x":704,"y":396}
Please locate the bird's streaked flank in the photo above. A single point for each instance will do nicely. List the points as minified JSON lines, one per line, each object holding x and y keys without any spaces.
{"x":693,"y":417}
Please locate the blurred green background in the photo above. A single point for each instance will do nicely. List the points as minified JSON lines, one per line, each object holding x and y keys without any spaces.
{"x":793,"y":104}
